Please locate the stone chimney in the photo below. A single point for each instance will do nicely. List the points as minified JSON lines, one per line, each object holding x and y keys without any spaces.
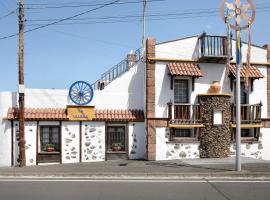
{"x":131,"y":59}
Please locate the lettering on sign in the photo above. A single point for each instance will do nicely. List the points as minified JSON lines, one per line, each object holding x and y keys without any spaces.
{"x":80,"y":113}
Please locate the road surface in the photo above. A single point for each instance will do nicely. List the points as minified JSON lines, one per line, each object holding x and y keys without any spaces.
{"x":84,"y":189}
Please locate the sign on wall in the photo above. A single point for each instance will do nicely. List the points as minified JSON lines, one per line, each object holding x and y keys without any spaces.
{"x":80,"y":113}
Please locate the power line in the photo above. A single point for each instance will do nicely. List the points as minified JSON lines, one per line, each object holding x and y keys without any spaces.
{"x":88,"y":5}
{"x":4,"y":16}
{"x":64,"y":19}
{"x":136,"y":18}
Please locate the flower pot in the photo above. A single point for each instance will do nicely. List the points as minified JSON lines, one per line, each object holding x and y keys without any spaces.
{"x":214,"y":87}
{"x":50,"y":149}
{"x":116,"y":148}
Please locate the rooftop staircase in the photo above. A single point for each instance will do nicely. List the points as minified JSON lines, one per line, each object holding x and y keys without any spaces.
{"x":117,"y":70}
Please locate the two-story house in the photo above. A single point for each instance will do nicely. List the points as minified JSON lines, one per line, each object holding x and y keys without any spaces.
{"x":158,"y":106}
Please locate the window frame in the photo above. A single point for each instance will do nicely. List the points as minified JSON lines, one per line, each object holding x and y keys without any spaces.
{"x":242,"y":82}
{"x":187,"y":79}
{"x":40,"y":150}
{"x":192,"y":138}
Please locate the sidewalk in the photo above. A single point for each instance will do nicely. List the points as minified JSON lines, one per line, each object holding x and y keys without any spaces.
{"x":195,"y":168}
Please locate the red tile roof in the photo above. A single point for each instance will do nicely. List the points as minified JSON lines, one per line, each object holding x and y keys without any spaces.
{"x":60,"y":114}
{"x":184,"y":69}
{"x":254,"y":72}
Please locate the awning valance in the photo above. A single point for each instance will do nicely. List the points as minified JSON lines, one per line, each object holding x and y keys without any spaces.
{"x":184,"y":69}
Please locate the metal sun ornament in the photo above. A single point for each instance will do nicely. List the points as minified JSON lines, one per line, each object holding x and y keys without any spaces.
{"x":239,"y":11}
{"x":81,"y":93}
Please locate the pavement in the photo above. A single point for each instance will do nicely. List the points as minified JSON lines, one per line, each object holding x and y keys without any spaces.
{"x":173,"y":169}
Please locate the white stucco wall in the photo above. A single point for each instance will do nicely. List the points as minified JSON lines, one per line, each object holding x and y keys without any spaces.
{"x":125,"y":92}
{"x":70,"y":142}
{"x":7,"y":99}
{"x":265,"y":141}
{"x":93,"y":141}
{"x":137,"y":140}
{"x":166,"y":150}
{"x":30,"y":142}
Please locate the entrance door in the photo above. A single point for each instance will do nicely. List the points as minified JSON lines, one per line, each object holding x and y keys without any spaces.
{"x":116,"y":142}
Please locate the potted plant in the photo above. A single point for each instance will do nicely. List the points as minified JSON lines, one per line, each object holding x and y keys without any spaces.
{"x":116,"y":146}
{"x":50,"y":148}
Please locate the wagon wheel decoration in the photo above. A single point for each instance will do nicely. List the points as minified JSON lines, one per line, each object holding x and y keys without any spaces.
{"x":81,"y":93}
{"x":239,"y":11}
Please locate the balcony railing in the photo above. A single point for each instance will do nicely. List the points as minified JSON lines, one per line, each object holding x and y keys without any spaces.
{"x":250,"y":114}
{"x":184,"y":113}
{"x":212,"y":48}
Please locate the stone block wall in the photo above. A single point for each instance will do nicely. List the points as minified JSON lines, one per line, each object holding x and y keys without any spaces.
{"x":215,"y":139}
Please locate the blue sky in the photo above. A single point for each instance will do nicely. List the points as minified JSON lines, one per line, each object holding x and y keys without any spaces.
{"x":58,"y":55}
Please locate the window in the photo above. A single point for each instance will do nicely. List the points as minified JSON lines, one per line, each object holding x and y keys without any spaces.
{"x":243,"y":95}
{"x":181,"y":94}
{"x":247,"y":133}
{"x":181,"y":133}
{"x":50,"y":138}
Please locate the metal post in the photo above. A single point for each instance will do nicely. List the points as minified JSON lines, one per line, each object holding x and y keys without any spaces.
{"x":21,"y":86}
{"x":238,"y":102}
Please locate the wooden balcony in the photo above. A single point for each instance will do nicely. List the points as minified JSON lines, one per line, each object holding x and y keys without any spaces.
{"x":212,"y":49}
{"x":184,"y":115}
{"x":250,"y":115}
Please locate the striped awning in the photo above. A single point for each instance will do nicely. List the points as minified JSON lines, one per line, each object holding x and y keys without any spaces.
{"x":184,"y":69}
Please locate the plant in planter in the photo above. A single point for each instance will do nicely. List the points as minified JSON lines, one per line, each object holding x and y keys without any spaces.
{"x":116,"y":146}
{"x":50,"y":147}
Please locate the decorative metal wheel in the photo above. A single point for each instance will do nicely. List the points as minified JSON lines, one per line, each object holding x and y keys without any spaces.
{"x":239,"y":11}
{"x":81,"y":93}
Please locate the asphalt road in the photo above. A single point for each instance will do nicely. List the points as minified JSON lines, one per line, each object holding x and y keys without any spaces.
{"x":59,"y":189}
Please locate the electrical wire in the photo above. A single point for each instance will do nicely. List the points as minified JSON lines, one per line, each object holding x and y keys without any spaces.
{"x":62,"y":20}
{"x":88,"y":5}
{"x":5,"y":16}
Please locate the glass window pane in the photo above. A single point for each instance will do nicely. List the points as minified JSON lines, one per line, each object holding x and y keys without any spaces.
{"x":55,"y":138}
{"x":181,"y":91}
{"x":182,"y":133}
{"x":44,"y":138}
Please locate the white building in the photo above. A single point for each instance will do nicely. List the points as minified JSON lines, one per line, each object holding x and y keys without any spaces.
{"x":156,"y":108}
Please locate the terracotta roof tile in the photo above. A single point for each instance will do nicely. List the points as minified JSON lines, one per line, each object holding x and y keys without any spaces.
{"x":184,"y":69}
{"x":254,"y":72}
{"x":60,"y":114}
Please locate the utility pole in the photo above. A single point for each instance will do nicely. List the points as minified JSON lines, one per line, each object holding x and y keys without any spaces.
{"x":21,"y":86}
{"x":143,"y":22}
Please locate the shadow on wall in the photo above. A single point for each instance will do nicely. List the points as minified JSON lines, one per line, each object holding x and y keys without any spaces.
{"x":165,"y":89}
{"x":136,"y":88}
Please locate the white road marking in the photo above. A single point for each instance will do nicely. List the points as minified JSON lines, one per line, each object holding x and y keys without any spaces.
{"x":135,"y":180}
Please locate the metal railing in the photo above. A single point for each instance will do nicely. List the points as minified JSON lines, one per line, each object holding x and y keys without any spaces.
{"x":115,"y":71}
{"x":184,"y":113}
{"x":250,"y":114}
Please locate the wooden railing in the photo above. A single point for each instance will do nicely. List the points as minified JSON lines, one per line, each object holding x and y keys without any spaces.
{"x":184,"y":113}
{"x":250,"y":114}
{"x":212,"y":48}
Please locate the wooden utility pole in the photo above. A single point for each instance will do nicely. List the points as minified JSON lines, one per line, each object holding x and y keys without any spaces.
{"x":21,"y":86}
